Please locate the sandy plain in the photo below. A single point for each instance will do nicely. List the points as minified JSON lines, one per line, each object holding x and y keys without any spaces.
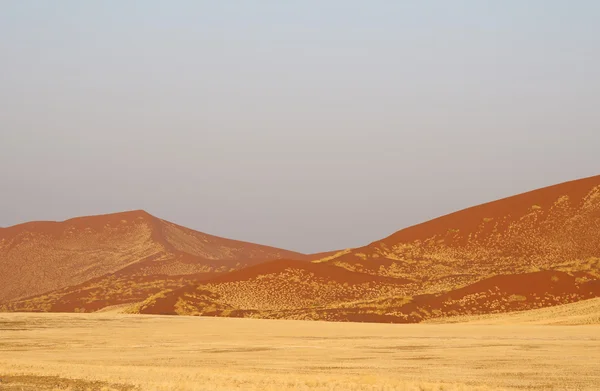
{"x":108,"y":351}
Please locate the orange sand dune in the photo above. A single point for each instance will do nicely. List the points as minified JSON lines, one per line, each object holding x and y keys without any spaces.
{"x":277,"y":289}
{"x":529,"y":251}
{"x":38,"y":257}
{"x":557,"y":227}
{"x":285,"y":292}
{"x":504,"y":293}
{"x":533,"y":250}
{"x":328,"y":272}
{"x":568,"y":196}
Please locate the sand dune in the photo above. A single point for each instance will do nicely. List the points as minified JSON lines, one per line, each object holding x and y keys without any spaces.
{"x":534,"y":250}
{"x":556,"y":227}
{"x":40,"y":257}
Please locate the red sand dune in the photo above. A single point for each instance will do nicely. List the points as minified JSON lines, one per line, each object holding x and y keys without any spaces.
{"x":328,"y":272}
{"x":243,"y":296}
{"x":511,"y":208}
{"x":503,"y":294}
{"x":538,"y":230}
{"x":38,"y":257}
{"x":279,"y":289}
{"x":532,"y":250}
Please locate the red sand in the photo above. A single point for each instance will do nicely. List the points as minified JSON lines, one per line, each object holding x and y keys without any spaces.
{"x":39,"y":257}
{"x":532,"y":250}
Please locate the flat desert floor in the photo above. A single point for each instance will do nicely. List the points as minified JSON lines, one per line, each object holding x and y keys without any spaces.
{"x":124,"y":352}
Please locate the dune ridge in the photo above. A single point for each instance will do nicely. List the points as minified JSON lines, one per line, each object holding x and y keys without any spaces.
{"x":533,"y":250}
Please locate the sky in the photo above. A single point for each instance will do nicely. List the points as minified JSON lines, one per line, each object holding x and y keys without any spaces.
{"x":311,"y":126}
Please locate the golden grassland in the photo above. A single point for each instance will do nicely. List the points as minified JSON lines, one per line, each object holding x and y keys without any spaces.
{"x":107,"y":351}
{"x":585,"y":312}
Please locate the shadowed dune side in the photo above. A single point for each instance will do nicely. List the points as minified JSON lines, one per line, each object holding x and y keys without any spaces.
{"x":226,"y":253}
{"x":40,"y":257}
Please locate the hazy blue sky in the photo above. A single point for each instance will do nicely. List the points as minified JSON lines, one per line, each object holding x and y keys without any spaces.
{"x":308,"y":125}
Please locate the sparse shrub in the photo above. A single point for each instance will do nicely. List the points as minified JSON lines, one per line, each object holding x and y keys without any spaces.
{"x":516,"y":298}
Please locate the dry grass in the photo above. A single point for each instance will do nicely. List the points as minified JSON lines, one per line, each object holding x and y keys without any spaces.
{"x":298,"y":289}
{"x":124,"y":352}
{"x":585,"y":312}
{"x":333,"y":256}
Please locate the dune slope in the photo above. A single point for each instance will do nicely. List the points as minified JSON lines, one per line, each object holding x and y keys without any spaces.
{"x":533,"y":250}
{"x":39,"y":257}
{"x":530,"y":251}
{"x":554,"y":228}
